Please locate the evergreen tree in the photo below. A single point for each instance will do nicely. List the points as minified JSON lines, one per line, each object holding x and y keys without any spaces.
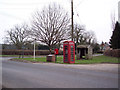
{"x":115,"y":38}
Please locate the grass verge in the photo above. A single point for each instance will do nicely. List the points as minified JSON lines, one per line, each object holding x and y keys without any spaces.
{"x":99,"y":59}
{"x":95,"y":60}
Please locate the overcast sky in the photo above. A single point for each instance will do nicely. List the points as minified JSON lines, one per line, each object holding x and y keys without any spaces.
{"x":94,"y":14}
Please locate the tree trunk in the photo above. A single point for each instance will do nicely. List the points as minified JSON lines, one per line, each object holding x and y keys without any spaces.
{"x":50,"y":49}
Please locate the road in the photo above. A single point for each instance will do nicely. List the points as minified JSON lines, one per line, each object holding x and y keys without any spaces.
{"x":28,"y":75}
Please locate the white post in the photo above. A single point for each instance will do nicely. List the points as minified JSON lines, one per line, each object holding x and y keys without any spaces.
{"x":34,"y":49}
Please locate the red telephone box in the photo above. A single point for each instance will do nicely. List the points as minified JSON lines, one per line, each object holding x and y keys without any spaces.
{"x":68,"y":52}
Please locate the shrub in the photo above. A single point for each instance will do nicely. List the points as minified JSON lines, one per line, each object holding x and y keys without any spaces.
{"x":28,"y":52}
{"x":113,"y":53}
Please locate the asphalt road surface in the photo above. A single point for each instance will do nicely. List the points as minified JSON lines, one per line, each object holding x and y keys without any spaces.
{"x":28,"y":75}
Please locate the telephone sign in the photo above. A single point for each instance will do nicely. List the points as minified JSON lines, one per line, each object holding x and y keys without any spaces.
{"x":68,"y":52}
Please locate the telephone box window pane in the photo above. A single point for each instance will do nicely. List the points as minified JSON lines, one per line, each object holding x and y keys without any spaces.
{"x":72,"y":56}
{"x":66,"y":53}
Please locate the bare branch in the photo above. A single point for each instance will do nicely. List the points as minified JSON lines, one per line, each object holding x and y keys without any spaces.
{"x":19,"y":35}
{"x":50,"y":25}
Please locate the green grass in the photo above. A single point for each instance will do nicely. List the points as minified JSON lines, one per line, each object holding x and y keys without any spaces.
{"x":97,"y":59}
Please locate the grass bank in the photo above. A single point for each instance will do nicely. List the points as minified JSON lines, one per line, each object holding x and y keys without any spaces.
{"x":95,"y":60}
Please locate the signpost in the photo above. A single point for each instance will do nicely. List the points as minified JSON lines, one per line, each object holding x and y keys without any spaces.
{"x":34,"y":48}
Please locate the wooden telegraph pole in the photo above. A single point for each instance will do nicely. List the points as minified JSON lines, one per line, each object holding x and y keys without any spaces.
{"x":72,"y":18}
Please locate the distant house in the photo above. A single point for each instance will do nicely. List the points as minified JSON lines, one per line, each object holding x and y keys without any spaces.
{"x":104,"y":46}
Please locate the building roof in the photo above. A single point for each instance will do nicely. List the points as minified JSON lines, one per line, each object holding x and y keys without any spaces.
{"x":83,"y":46}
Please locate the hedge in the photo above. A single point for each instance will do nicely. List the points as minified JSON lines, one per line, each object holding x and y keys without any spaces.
{"x":112,"y":53}
{"x":27,"y":52}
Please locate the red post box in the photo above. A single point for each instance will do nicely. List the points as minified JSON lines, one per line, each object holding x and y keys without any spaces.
{"x":56,"y":51}
{"x":68,"y":52}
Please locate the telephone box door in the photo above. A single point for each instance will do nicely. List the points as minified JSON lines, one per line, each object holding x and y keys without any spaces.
{"x":65,"y":52}
{"x":68,"y":52}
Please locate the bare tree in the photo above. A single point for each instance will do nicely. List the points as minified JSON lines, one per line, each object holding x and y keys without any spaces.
{"x":81,"y":36}
{"x":77,"y":33}
{"x":50,"y":25}
{"x":89,"y":37}
{"x":18,"y":35}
